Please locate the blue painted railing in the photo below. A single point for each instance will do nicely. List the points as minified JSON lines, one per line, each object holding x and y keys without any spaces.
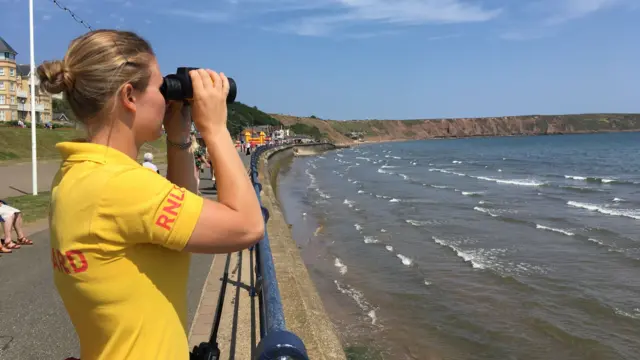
{"x":276,"y":341}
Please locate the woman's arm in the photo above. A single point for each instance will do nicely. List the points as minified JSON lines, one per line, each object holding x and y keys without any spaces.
{"x":235,"y":221}
{"x":180,"y":161}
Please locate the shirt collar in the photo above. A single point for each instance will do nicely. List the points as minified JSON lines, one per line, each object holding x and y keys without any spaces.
{"x":73,"y":151}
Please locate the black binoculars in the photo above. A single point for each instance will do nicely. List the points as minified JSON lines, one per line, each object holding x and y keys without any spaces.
{"x":178,"y":86}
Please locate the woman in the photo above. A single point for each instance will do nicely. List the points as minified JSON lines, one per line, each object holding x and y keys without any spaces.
{"x":121,"y":234}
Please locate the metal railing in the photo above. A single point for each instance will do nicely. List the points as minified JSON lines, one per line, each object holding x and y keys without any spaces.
{"x":276,"y":342}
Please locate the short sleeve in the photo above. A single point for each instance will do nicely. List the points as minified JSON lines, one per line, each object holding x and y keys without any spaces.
{"x":140,"y":206}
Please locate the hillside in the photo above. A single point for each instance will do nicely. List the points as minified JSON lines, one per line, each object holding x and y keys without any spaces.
{"x":241,"y":116}
{"x":387,"y":130}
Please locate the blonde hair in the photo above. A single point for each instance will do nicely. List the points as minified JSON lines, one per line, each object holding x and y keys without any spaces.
{"x":94,"y":69}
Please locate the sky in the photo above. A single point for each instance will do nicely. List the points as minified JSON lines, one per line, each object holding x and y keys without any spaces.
{"x":376,"y":59}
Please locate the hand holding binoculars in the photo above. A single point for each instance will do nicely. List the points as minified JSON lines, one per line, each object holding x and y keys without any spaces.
{"x":178,"y":86}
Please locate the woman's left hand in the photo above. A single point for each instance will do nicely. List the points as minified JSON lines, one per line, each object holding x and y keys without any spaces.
{"x":177,"y":122}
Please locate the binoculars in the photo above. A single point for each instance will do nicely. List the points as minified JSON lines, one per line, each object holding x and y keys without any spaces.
{"x":178,"y":86}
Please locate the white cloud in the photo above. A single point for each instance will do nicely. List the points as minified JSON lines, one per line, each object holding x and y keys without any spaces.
{"x":444,"y":37}
{"x":548,"y":15}
{"x":565,"y":10}
{"x":46,"y":17}
{"x":328,"y":17}
{"x":205,"y":16}
{"x":389,"y":13}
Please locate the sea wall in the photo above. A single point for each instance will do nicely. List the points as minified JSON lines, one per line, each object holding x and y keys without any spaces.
{"x":303,"y":309}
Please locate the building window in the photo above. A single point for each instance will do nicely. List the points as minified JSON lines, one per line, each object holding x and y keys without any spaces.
{"x":1,"y":99}
{"x":13,"y":100}
{"x":1,"y":71}
{"x":12,"y":86}
{"x":1,"y":85}
{"x":2,"y":118}
{"x":12,"y":72}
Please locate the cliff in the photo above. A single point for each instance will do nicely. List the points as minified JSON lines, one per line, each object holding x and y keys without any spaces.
{"x":388,"y":130}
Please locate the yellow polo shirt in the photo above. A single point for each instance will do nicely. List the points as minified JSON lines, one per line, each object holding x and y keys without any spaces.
{"x":117,"y":231}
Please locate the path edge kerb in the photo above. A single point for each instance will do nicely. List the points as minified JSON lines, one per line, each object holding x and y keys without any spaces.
{"x":304,"y":312}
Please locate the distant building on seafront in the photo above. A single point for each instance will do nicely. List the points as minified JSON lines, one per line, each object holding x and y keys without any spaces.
{"x":15,"y":90}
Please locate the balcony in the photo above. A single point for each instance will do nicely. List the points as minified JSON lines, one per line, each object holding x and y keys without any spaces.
{"x":22,"y":94}
{"x":27,"y":107}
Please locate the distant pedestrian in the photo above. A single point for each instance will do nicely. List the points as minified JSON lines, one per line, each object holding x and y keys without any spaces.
{"x":148,"y":162}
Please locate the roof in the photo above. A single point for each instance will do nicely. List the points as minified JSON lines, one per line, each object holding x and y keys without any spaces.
{"x":23,"y":69}
{"x":60,"y":116}
{"x":5,"y":47}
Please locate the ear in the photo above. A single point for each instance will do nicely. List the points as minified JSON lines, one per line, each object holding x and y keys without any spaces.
{"x":128,"y":97}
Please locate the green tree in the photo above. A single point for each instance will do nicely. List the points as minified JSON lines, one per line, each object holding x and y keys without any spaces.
{"x":62,"y":106}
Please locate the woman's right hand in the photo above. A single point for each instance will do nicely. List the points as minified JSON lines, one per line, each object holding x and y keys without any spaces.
{"x":209,"y":104}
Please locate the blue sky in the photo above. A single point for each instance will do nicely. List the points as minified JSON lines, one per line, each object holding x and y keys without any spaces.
{"x":377,"y":59}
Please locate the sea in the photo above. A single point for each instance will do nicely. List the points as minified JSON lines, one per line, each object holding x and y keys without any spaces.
{"x":480,"y":248}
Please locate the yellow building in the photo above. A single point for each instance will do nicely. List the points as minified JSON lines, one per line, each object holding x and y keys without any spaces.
{"x":15,"y":90}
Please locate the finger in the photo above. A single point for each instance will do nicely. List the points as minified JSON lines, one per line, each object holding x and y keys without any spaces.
{"x":207,"y":82}
{"x":196,"y":82}
{"x":225,"y":83}
{"x":217,"y":81}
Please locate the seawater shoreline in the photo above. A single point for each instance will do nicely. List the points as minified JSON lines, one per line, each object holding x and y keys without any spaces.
{"x":359,"y":338}
{"x":501,"y":258}
{"x":305,"y":314}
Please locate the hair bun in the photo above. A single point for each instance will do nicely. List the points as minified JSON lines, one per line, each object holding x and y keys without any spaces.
{"x":54,"y":77}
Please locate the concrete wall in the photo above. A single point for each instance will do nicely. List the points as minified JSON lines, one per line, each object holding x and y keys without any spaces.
{"x":303,"y":309}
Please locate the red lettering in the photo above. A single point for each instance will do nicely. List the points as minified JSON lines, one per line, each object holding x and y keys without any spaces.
{"x":83,"y":261}
{"x":172,"y":205}
{"x":164,"y":222}
{"x":179,"y":198}
{"x":169,"y":213}
{"x":54,"y":260}
{"x":61,"y":261}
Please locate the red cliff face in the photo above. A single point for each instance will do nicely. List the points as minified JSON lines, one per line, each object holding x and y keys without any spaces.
{"x":384,"y":130}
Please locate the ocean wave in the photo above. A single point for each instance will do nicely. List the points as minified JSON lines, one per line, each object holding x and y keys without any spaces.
{"x":600,"y":180}
{"x":566,"y":232}
{"x":486,"y":211}
{"x":348,"y":202}
{"x":518,"y":182}
{"x":359,"y":299}
{"x":630,"y":213}
{"x":490,"y":259}
{"x":342,"y":268}
{"x":371,"y":240}
{"x":406,"y":261}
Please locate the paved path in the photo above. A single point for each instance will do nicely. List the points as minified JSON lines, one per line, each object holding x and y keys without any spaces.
{"x":16,"y":180}
{"x":238,"y":334}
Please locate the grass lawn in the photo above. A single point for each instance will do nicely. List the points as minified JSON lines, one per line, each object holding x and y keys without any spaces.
{"x":15,"y":145}
{"x":32,"y":207}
